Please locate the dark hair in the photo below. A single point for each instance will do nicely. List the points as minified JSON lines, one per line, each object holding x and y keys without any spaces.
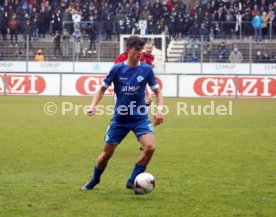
{"x":134,"y":41}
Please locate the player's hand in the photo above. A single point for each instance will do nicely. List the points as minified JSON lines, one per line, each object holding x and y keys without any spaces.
{"x":91,"y":111}
{"x":158,"y":119}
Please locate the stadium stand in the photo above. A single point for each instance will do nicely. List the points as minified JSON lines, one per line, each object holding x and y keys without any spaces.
{"x":189,"y":26}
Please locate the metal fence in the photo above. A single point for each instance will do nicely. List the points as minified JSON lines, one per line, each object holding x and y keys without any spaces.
{"x":186,"y":49}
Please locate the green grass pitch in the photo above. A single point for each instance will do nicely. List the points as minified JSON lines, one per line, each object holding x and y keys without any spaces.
{"x":215,"y":166}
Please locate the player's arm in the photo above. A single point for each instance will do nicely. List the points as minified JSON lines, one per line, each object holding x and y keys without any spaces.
{"x":100,"y":92}
{"x":158,"y":117}
{"x":96,"y":99}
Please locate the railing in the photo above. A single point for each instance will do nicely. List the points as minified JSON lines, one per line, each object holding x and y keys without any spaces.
{"x":25,"y":49}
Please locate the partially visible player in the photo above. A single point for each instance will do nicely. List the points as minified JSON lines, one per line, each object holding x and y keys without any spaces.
{"x":130,"y":79}
{"x":147,"y":56}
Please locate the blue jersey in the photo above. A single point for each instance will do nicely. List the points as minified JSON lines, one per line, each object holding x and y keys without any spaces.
{"x":129,"y":87}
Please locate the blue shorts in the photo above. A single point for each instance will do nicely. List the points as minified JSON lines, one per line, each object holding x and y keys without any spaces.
{"x":117,"y":130}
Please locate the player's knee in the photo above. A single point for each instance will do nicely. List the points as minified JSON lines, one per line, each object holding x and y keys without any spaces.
{"x":149,"y":148}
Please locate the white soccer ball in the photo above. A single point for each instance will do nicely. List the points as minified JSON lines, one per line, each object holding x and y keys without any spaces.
{"x":144,"y":183}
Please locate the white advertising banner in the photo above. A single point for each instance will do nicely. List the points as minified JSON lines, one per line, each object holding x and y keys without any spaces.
{"x":93,"y":67}
{"x":30,"y":84}
{"x":262,"y":68}
{"x":10,"y":66}
{"x":225,"y":68}
{"x":168,"y":84}
{"x":74,"y":85}
{"x":182,"y":68}
{"x":62,"y":67}
{"x":227,"y":86}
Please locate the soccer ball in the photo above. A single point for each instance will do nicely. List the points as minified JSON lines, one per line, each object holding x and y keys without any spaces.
{"x":144,"y":183}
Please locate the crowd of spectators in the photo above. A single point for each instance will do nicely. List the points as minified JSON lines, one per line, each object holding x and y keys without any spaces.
{"x":88,"y":20}
{"x":220,"y":18}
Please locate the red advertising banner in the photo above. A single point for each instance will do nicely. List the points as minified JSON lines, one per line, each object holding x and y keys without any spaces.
{"x":232,"y":86}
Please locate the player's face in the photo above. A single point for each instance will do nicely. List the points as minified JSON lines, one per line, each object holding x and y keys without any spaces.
{"x":148,"y":49}
{"x":134,"y":53}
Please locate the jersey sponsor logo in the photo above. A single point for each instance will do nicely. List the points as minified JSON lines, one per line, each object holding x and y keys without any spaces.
{"x":23,"y":84}
{"x":88,"y":85}
{"x":231,"y":86}
{"x":130,"y":89}
{"x":140,"y":78}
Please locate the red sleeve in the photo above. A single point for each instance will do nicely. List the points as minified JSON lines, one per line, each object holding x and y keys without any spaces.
{"x":121,"y":58}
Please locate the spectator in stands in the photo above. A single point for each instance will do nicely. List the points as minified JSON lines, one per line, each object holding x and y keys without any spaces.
{"x":19,"y":53}
{"x":145,"y":13}
{"x":76,"y":19}
{"x":204,"y":32}
{"x":91,"y":31}
{"x":85,"y":38}
{"x":239,"y":17}
{"x":194,"y":58}
{"x":77,"y":39}
{"x":229,"y":25}
{"x":259,"y":57}
{"x":65,"y":43}
{"x":236,"y":56}
{"x":67,"y":19}
{"x":41,"y":20}
{"x":206,"y":51}
{"x":179,"y":22}
{"x":35,"y":28}
{"x":258,"y":23}
{"x":222,"y":53}
{"x":39,"y":57}
{"x":220,"y":18}
{"x":273,"y":57}
{"x":194,"y":31}
{"x":28,"y":29}
{"x":56,"y":21}
{"x":266,"y":58}
{"x":246,"y":26}
{"x":171,"y":28}
{"x":273,"y":22}
{"x":3,"y":25}
{"x":13,"y":28}
{"x":193,"y":47}
{"x":108,"y":28}
{"x":265,"y":25}
{"x":57,"y":40}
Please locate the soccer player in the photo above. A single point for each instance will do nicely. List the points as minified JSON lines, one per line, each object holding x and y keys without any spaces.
{"x":145,"y":57}
{"x":130,"y":113}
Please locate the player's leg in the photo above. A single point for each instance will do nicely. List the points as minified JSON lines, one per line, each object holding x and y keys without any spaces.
{"x":145,"y":135}
{"x":100,"y":166}
{"x":115,"y":134}
{"x":148,"y":142}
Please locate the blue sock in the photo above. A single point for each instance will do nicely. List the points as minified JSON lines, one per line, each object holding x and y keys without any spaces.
{"x":136,"y":171}
{"x":97,"y":174}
